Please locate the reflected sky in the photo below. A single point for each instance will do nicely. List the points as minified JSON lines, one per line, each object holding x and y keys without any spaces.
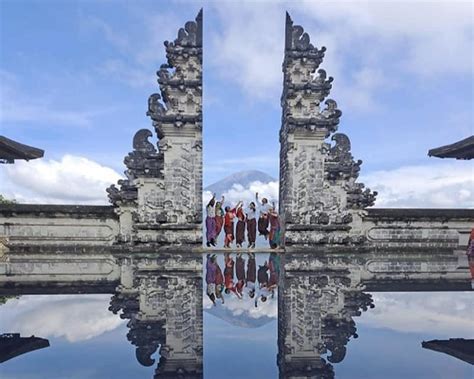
{"x":239,"y":341}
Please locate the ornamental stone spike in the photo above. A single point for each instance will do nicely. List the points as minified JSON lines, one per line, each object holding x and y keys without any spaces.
{"x":320,"y":201}
{"x":160,"y":202}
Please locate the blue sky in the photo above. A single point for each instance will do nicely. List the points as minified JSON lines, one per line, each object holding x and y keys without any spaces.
{"x":76,"y":75}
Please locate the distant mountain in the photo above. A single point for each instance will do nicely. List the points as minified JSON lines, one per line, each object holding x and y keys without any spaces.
{"x":244,"y":178}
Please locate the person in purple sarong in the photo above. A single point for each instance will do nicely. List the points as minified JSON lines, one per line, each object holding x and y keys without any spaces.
{"x":211,"y":272}
{"x":211,"y":222}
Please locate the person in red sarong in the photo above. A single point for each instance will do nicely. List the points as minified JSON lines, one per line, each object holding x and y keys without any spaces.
{"x":219,"y":217}
{"x":229,"y":224}
{"x":229,"y":275}
{"x":240,"y":229}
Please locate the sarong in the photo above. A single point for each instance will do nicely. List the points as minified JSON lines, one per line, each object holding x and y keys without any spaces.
{"x":240,"y":268}
{"x":274,"y":238}
{"x":219,"y":224}
{"x":263,"y":226}
{"x":229,"y":230}
{"x":240,"y":232}
{"x":210,"y":228}
{"x":252,"y":230}
{"x":251,"y":270}
{"x":229,"y":234}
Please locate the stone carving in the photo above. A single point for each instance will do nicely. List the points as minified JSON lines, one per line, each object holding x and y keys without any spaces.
{"x":163,"y":303}
{"x":319,"y":196}
{"x":317,"y":303}
{"x":160,"y":201}
{"x":340,"y":163}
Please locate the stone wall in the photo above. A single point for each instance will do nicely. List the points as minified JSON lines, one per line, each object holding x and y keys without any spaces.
{"x":57,"y":225}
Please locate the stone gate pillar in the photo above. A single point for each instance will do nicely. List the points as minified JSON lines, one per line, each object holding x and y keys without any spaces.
{"x":160,"y":202}
{"x":319,"y":198}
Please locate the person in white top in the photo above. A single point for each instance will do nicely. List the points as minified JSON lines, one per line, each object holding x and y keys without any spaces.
{"x":264,"y":208}
{"x":252,"y":224}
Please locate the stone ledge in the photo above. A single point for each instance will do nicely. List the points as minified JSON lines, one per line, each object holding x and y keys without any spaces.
{"x":392,"y":214}
{"x":58,"y":210}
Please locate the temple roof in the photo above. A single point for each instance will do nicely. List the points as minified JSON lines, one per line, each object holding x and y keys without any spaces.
{"x":457,"y":347}
{"x":12,"y":345}
{"x":11,"y":150}
{"x":463,"y":149}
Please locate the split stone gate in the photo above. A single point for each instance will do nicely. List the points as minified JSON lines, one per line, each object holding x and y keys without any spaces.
{"x":158,"y":206}
{"x":149,"y":238}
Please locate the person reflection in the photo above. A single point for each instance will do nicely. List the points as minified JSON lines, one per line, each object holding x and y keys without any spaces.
{"x":263,"y":290}
{"x":229,"y":275}
{"x":251,"y":276}
{"x":240,"y":273}
{"x":219,"y":282}
{"x":211,"y":277}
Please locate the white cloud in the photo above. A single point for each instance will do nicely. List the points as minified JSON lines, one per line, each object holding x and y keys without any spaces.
{"x":439,"y":314}
{"x":247,"y":194}
{"x":370,"y":44}
{"x":72,"y":179}
{"x":247,"y":49}
{"x":74,"y":317}
{"x":443,"y":185}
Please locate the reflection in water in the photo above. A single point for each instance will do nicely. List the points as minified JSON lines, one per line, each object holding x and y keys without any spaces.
{"x":315,"y":297}
{"x":317,"y":303}
{"x":13,"y":345}
{"x":162,"y":300}
{"x":457,"y":347}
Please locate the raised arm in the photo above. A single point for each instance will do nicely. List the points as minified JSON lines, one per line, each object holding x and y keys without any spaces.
{"x":213,"y":198}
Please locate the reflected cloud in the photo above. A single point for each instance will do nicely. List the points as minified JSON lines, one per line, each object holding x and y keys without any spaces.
{"x":73,"y":317}
{"x":435,"y":313}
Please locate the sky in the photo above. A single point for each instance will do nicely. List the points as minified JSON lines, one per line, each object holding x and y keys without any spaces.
{"x":76,"y":75}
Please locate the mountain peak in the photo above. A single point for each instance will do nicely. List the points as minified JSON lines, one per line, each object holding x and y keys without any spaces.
{"x":243,"y":178}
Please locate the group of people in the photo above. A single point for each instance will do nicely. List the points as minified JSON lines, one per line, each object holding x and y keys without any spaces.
{"x":219,"y":217}
{"x":244,"y":283}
